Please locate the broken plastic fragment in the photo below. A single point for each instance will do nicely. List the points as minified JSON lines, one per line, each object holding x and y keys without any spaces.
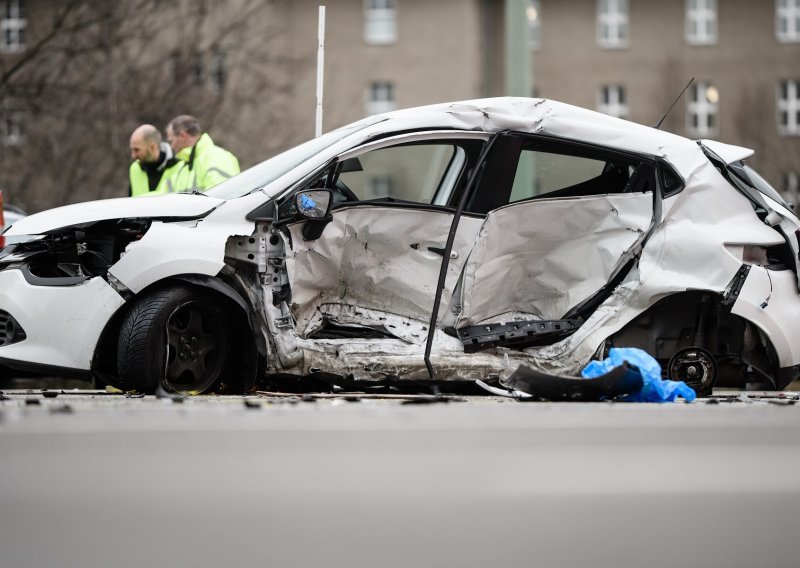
{"x":616,"y":382}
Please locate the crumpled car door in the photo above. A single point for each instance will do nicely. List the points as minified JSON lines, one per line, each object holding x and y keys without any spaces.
{"x":535,"y":260}
{"x":377,"y":262}
{"x":374,"y":261}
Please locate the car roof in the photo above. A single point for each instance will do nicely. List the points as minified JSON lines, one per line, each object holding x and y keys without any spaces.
{"x":548,"y":117}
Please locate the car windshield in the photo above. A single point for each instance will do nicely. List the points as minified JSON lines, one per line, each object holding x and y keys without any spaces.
{"x":268,"y":171}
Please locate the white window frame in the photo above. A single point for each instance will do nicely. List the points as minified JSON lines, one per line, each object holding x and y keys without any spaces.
{"x":789,"y":105}
{"x":533,"y":15}
{"x":11,"y":128}
{"x":12,"y":27}
{"x":380,"y":22}
{"x":613,"y":101}
{"x":698,"y":105}
{"x":791,"y":183}
{"x":701,"y":22}
{"x":381,"y":97}
{"x":613,"y":16}
{"x":217,"y":74}
{"x":787,"y":12}
{"x":198,"y":69}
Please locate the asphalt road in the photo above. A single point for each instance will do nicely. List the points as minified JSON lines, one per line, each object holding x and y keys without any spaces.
{"x":104,"y":480}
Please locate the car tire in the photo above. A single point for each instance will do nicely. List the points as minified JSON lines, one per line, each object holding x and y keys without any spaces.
{"x":175,"y":337}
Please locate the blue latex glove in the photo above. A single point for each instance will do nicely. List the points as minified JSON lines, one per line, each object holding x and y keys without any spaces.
{"x":655,"y":389}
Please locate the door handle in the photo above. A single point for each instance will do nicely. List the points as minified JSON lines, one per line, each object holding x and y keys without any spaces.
{"x":440,"y":252}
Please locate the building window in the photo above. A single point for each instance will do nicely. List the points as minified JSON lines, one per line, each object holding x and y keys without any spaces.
{"x":216,"y":69}
{"x":701,"y":22}
{"x":789,"y":108}
{"x":612,"y":23}
{"x":380,"y":21}
{"x":171,"y":68}
{"x":11,"y":128}
{"x":534,"y":16}
{"x":12,"y":26}
{"x":702,"y":110}
{"x":611,"y":100}
{"x":380,"y":98}
{"x":787,"y":20}
{"x":791,"y":183}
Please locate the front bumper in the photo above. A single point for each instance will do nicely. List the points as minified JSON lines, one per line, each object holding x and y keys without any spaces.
{"x":62,"y":324}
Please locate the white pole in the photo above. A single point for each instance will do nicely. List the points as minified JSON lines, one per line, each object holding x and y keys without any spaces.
{"x":320,"y":66}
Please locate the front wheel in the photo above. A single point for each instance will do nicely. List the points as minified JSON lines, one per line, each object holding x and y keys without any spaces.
{"x":176,"y":337}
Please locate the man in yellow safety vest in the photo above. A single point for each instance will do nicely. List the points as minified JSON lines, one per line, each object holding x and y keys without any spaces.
{"x":153,"y":162}
{"x":203,"y":164}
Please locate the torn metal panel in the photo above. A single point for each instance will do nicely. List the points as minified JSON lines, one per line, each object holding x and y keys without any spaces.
{"x":406,"y":329}
{"x":559,"y":252}
{"x":687,"y":251}
{"x":393,"y":360}
{"x":379,"y":258}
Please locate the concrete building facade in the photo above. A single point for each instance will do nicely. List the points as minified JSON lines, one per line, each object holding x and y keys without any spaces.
{"x":629,"y":58}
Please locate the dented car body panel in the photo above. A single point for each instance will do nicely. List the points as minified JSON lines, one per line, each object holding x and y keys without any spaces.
{"x":572,"y":231}
{"x":376,"y":258}
{"x":563,"y":250}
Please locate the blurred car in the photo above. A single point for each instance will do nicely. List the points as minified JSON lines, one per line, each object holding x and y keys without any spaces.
{"x":444,"y":243}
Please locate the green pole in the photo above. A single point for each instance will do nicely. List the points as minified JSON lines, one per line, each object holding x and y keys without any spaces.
{"x":519,"y":83}
{"x":518,"y":55}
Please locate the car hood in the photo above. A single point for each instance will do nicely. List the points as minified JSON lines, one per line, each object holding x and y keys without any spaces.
{"x":174,"y":206}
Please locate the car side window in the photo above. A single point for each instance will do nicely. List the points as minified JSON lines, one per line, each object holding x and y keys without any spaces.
{"x":550,"y":174}
{"x":520,"y":168}
{"x":417,"y":173}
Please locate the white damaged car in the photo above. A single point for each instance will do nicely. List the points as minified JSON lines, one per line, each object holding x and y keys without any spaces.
{"x":443,"y":243}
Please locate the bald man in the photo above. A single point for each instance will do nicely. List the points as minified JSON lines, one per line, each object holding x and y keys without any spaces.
{"x":153,"y":163}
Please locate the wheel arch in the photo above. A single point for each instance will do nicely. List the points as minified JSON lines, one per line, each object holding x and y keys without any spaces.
{"x":703,"y":318}
{"x":250,"y":344}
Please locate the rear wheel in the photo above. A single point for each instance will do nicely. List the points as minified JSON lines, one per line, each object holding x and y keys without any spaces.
{"x":177,"y":337}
